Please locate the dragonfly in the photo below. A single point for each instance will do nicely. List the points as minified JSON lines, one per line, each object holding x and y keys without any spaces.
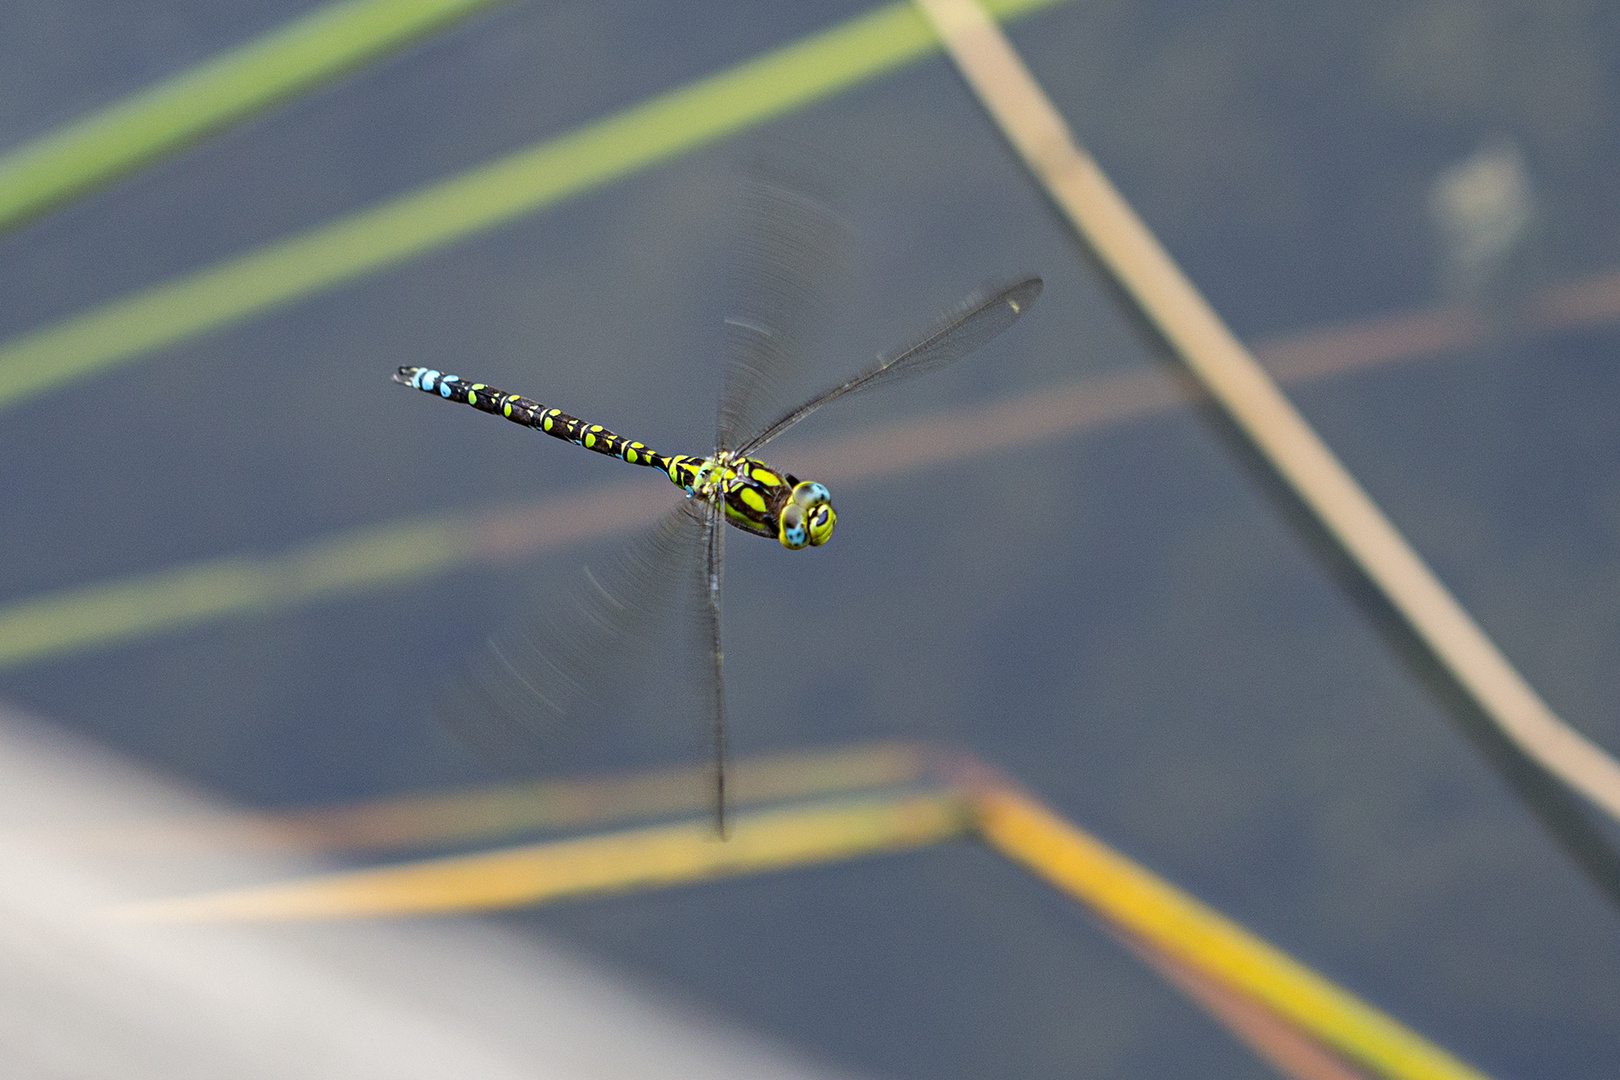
{"x":730,"y":486}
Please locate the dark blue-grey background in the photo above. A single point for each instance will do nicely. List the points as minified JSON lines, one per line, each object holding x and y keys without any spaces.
{"x":1136,"y":622}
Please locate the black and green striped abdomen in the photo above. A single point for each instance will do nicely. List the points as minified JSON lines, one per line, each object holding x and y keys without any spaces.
{"x":532,"y":414}
{"x":753,"y":496}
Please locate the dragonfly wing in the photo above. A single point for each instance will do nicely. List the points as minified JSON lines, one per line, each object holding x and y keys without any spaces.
{"x":576,"y":666}
{"x":791,"y":252}
{"x":714,"y":691}
{"x":971,"y":324}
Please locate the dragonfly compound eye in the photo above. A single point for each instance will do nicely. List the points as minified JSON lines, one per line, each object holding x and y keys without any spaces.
{"x":809,"y":494}
{"x":792,"y":531}
{"x":808,"y":518}
{"x":822,"y":520}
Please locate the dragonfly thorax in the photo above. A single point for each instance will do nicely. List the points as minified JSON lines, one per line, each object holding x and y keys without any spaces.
{"x":758,"y":498}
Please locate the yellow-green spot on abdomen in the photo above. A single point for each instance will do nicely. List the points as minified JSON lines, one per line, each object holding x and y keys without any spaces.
{"x":590,"y":439}
{"x":544,"y":424}
{"x":506,"y":410}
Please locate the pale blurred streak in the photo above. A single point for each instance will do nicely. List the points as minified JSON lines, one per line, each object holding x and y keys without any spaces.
{"x":1286,"y":1048}
{"x":1483,"y":208}
{"x":84,"y":997}
{"x":495,"y":811}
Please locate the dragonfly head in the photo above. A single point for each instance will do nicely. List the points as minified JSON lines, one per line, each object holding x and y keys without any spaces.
{"x":808,"y":518}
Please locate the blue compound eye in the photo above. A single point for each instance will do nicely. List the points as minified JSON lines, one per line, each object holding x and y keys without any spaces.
{"x":808,"y":493}
{"x":792,"y":532}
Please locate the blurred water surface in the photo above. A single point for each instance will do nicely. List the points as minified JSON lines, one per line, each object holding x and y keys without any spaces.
{"x":1134,"y":622}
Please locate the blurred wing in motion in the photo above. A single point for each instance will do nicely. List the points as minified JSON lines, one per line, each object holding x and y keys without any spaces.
{"x":628,"y":646}
{"x":791,"y":253}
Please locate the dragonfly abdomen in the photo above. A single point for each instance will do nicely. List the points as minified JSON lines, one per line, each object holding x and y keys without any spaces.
{"x":532,"y":414}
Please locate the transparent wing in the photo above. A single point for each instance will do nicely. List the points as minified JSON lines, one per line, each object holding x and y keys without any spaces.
{"x":791,"y":252}
{"x":970,"y":325}
{"x":628,"y":650}
{"x":713,"y":684}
